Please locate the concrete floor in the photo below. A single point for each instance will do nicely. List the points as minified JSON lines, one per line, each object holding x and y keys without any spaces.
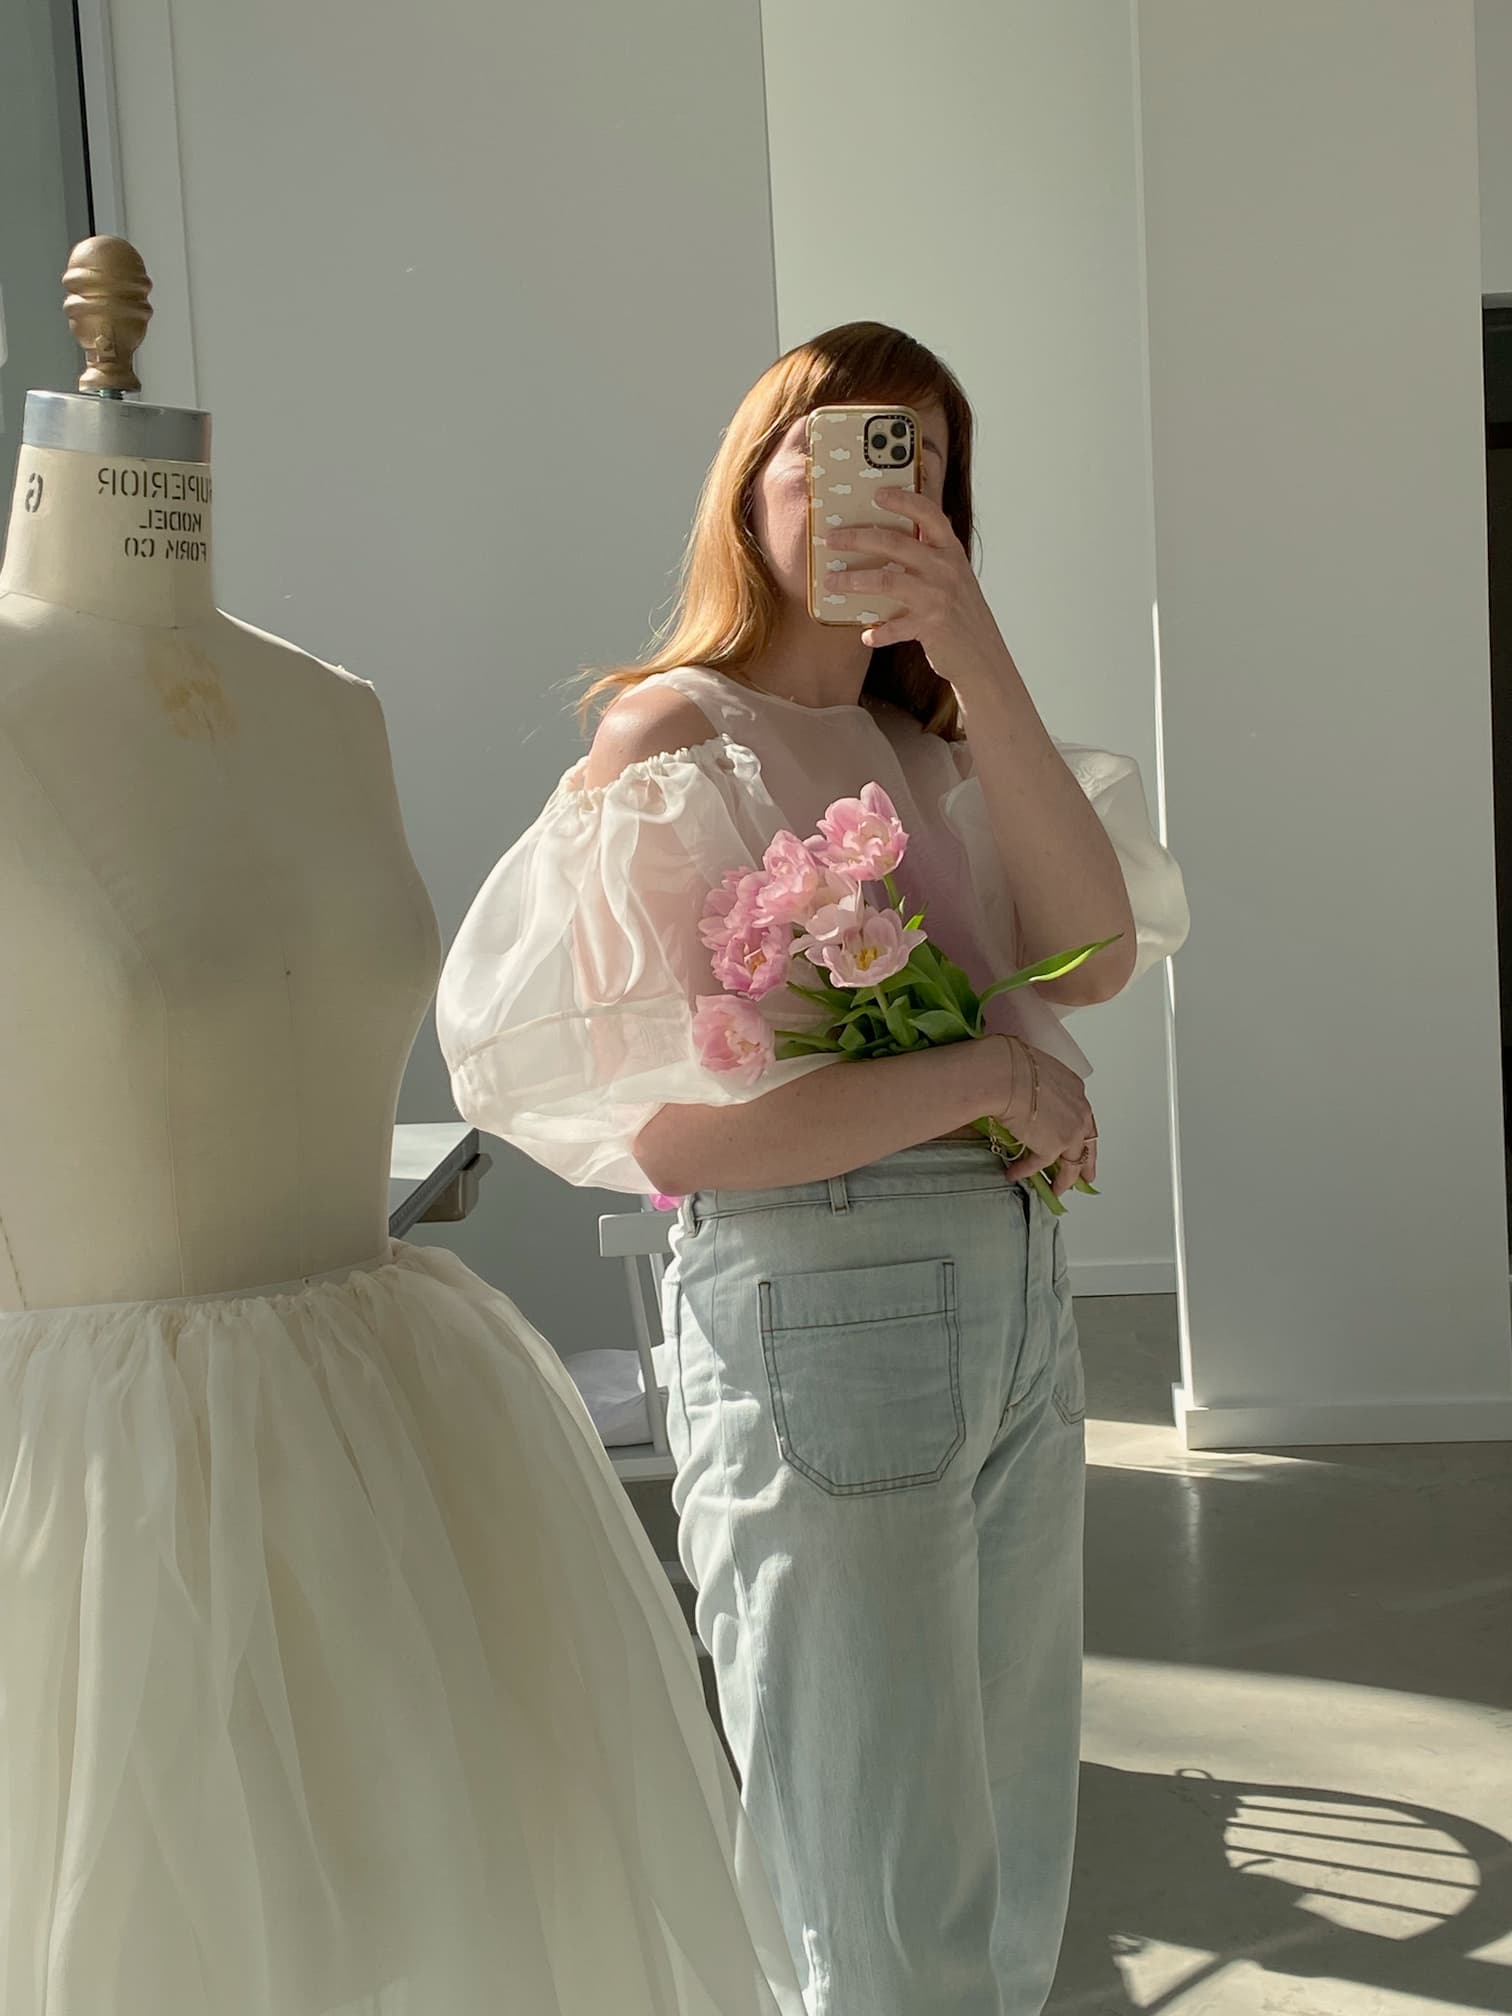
{"x":1297,"y":1775}
{"x":1297,"y":1778}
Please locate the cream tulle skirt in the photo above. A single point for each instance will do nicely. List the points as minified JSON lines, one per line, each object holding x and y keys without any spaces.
{"x":335,"y":1676}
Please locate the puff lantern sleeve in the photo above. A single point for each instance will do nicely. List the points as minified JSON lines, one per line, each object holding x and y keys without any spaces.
{"x":566,"y":1006}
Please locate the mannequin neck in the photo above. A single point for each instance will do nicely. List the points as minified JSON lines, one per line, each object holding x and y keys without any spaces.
{"x":109,"y":535}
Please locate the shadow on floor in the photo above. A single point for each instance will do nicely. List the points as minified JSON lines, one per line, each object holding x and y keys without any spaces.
{"x":1383,"y":1570}
{"x":1397,"y":1896}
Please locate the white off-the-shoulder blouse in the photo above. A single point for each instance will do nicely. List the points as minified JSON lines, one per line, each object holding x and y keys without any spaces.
{"x":566,"y":1006}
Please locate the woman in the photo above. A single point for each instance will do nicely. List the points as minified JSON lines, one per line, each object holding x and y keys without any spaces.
{"x":877,"y":1399}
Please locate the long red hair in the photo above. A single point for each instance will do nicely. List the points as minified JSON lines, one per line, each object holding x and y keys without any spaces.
{"x":727,"y":605}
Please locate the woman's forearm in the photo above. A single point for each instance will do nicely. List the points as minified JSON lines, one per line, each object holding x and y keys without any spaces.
{"x":826,"y":1123}
{"x":1067,"y":884}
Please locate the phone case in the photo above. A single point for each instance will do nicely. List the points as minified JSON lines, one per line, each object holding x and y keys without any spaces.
{"x":846,"y":469}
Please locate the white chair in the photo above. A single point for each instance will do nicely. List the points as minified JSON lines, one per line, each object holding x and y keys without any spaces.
{"x":640,"y":1241}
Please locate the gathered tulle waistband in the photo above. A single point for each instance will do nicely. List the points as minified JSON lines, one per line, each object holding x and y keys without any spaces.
{"x":273,"y":1291}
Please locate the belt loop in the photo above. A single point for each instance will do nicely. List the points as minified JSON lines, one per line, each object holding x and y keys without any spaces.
{"x":687,"y":1216}
{"x":839,"y":1195}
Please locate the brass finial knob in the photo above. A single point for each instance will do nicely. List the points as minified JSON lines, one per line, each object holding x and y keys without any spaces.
{"x":108,"y":310}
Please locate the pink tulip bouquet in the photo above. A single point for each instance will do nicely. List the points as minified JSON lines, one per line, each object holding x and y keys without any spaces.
{"x":858,"y":978}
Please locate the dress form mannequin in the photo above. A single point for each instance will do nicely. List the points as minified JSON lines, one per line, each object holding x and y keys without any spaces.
{"x":218,"y":949}
{"x":335,"y":1677}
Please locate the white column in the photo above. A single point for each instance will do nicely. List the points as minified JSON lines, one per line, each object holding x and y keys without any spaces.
{"x":1313,"y":272}
{"x":991,"y":209}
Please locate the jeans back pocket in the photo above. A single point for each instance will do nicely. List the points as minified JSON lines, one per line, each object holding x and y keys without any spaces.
{"x":864,"y":1366}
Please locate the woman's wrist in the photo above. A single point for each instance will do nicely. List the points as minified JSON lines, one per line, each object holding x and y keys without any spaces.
{"x":958,"y":1083}
{"x":986,"y":669}
{"x":1002,"y":721}
{"x":1015,"y":1070}
{"x":1003,"y":1079}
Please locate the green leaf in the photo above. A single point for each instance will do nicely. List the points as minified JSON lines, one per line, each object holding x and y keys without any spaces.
{"x":1054,"y":968}
{"x":925,"y":974}
{"x":853,"y":1041}
{"x":897,"y":1022}
{"x":936,"y":996}
{"x":960,"y":989}
{"x":809,"y":1039}
{"x":829,"y":998}
{"x":941,"y":1026}
{"x":895,"y":982}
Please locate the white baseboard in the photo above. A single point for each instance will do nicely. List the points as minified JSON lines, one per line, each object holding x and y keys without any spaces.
{"x":1123,"y":1277}
{"x":1282,"y":1425}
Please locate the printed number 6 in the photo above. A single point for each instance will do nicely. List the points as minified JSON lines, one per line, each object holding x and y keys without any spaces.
{"x":34,"y":493}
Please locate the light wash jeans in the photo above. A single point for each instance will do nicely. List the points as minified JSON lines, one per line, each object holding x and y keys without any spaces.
{"x":876,"y":1409}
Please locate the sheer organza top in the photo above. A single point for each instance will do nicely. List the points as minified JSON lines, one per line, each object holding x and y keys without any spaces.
{"x":566,"y":1007}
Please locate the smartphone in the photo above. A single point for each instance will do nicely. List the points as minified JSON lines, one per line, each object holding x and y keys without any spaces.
{"x":854,"y":451}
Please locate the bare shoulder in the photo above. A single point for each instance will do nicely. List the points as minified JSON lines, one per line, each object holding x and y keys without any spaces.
{"x":648,"y":721}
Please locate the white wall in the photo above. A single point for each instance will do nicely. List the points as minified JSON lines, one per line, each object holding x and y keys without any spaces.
{"x":998,"y":222}
{"x":1493,"y":66}
{"x":1320,"y":539}
{"x":438,"y":263}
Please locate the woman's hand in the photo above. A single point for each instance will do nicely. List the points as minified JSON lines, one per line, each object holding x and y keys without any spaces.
{"x":1068,"y":886}
{"x":944,"y":608}
{"x":1062,"y":1130}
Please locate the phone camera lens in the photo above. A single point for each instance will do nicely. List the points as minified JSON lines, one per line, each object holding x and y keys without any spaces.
{"x":900,"y":454}
{"x":879,"y":442}
{"x":899,"y":430}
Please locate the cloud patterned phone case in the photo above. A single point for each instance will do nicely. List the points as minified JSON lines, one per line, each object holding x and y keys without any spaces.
{"x":846,"y":469}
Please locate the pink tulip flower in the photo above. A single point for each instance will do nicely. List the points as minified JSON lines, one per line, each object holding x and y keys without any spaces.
{"x":862,"y":838}
{"x":797,"y":882}
{"x":733,"y":1037}
{"x":730,"y":909}
{"x":756,"y":960}
{"x":872,"y":950}
{"x":830,"y":923}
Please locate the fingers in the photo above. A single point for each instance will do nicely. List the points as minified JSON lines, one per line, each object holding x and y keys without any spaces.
{"x":1077,"y":1161}
{"x":935,"y":529}
{"x":884,"y":539}
{"x":902,"y":629}
{"x":1031,"y":1163}
{"x":871,"y":580}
